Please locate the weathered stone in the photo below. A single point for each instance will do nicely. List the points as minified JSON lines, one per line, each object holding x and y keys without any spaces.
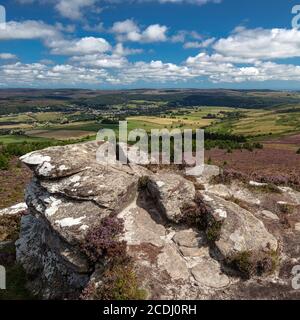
{"x":72,"y":192}
{"x":172,"y":193}
{"x":193,"y":252}
{"x":234,"y":190}
{"x":208,"y":173}
{"x":52,"y":275}
{"x":141,"y":228}
{"x":207,"y":272}
{"x":171,"y":261}
{"x":71,"y":219}
{"x":14,"y":210}
{"x":110,"y":188}
{"x":241,"y":231}
{"x":187,"y":238}
{"x":291,"y":196}
{"x":57,"y":162}
{"x":269,"y":215}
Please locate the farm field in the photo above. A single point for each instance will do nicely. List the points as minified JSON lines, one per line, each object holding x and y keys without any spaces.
{"x":251,"y":123}
{"x":59,"y":134}
{"x":182,"y":118}
{"x":262,"y":122}
{"x":5,"y":139}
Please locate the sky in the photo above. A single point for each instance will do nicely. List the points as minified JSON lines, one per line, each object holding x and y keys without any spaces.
{"x":116,"y":44}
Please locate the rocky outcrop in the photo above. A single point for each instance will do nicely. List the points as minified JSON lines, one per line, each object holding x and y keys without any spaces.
{"x":71,"y":193}
{"x":172,"y":193}
{"x":240,"y":230}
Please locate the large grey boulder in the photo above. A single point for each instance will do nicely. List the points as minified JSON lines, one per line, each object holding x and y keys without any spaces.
{"x":240,"y":230}
{"x":110,"y":188}
{"x":172,"y":194}
{"x":71,"y":219}
{"x":69,"y":195}
{"x":62,"y":161}
{"x":57,"y":270}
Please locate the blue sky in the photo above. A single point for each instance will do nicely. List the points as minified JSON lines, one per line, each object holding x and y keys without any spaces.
{"x":150,"y":43}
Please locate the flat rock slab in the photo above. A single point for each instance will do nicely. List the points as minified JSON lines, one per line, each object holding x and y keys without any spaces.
{"x":292,"y":196}
{"x":188,"y":238}
{"x":71,"y":219}
{"x":109,"y":187}
{"x":241,"y":231}
{"x":140,"y":228}
{"x":171,"y":261}
{"x":172,"y":193}
{"x":62,"y":161}
{"x":207,"y":272}
{"x":234,"y":190}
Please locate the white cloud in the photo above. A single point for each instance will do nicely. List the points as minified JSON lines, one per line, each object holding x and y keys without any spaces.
{"x":53,"y":38}
{"x":128,"y":30}
{"x":120,"y":50}
{"x":83,"y":46}
{"x":100,"y":61}
{"x":218,"y":69}
{"x":155,"y":33}
{"x":7,"y":56}
{"x":29,"y":29}
{"x":116,"y":70}
{"x":260,"y":44}
{"x":125,"y":26}
{"x":37,"y":74}
{"x":72,"y":9}
{"x":117,"y":59}
{"x":197,"y":44}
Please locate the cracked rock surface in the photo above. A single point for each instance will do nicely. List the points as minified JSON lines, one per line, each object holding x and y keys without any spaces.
{"x":71,"y":193}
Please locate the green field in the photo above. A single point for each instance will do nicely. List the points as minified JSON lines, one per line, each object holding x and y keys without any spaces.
{"x":19,"y":139}
{"x":263,"y":123}
{"x":280,"y":120}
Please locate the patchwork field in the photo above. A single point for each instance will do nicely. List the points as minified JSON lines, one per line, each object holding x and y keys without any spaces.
{"x":6,"y":139}
{"x":281,"y":121}
{"x":59,"y":134}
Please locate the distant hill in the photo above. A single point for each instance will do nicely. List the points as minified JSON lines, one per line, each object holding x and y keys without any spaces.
{"x":25,"y":100}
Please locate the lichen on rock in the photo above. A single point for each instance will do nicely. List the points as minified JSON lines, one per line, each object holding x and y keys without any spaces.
{"x":179,"y":238}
